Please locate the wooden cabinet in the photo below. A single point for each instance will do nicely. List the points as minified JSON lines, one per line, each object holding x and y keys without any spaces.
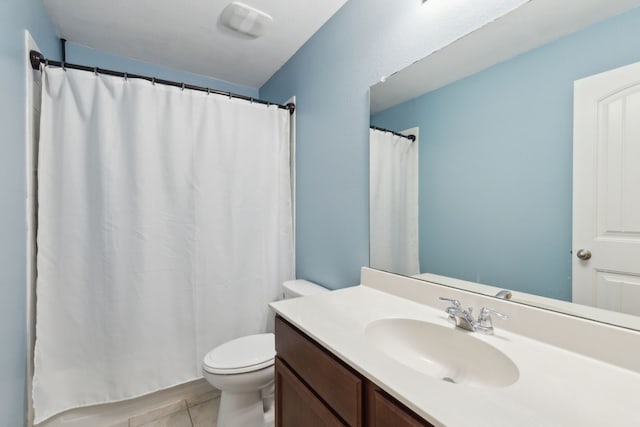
{"x":384,"y":411}
{"x":297,"y":405}
{"x":314,"y":388}
{"x":333,"y":383}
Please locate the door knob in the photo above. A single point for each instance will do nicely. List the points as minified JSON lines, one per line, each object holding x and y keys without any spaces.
{"x":584,"y":254}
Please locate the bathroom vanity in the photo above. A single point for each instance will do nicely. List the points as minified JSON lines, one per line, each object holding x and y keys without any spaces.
{"x":384,"y":354}
{"x":314,"y":388}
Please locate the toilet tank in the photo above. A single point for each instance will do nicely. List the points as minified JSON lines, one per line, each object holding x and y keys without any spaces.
{"x":301,"y":288}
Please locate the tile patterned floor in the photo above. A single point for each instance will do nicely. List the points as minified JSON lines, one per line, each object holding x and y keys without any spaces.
{"x":204,"y":414}
{"x":199,"y":412}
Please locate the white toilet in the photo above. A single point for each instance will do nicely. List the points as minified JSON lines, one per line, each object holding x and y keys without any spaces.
{"x":243,"y":370}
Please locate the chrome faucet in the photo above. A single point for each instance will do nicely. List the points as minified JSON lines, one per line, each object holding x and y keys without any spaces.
{"x":464,"y":318}
{"x":504,"y":294}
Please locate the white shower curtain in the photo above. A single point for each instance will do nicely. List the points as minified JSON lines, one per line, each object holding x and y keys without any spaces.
{"x":393,"y":202}
{"x":164,"y":229}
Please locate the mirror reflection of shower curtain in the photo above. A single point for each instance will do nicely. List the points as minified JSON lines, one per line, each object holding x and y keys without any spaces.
{"x":164,"y":230}
{"x":393,"y":202}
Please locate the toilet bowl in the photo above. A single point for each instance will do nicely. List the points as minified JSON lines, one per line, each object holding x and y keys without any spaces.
{"x":243,"y":370}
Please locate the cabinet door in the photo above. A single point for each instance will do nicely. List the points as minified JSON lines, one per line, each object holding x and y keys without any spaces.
{"x":333,"y":382}
{"x":384,"y":411}
{"x":296,"y":405}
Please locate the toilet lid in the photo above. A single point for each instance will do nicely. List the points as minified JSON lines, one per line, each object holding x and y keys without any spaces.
{"x":243,"y":354}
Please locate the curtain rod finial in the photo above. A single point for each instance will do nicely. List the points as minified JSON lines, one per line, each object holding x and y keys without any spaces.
{"x":292,"y":107}
{"x":35,"y":58}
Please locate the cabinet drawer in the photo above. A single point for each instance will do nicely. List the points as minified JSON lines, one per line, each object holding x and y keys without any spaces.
{"x":333,"y":382}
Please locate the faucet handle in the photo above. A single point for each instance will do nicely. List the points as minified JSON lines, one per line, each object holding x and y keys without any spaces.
{"x":485,"y":313}
{"x":485,"y":323}
{"x":455,"y":302}
{"x":452,"y":310}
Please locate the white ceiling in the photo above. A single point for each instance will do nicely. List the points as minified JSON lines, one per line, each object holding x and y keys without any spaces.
{"x":187,"y":34}
{"x":531,"y":25}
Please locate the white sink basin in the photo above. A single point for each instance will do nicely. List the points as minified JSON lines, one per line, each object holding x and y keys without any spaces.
{"x":446,"y":353}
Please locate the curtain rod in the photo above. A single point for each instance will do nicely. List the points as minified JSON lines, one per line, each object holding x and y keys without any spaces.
{"x":409,"y":137}
{"x":36,"y":59}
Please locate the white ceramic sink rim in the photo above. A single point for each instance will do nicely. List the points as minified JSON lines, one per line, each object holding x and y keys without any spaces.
{"x":446,"y":353}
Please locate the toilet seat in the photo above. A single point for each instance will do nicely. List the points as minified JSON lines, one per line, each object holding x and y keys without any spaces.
{"x":241,"y":355}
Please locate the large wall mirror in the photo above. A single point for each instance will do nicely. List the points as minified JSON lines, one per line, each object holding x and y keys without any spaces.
{"x":482,"y":197}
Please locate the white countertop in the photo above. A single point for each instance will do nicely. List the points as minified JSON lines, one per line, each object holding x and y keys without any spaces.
{"x":555,"y":387}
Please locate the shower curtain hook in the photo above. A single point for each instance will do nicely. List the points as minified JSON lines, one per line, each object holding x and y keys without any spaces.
{"x":208,"y":91}
{"x":64,"y":68}
{"x":46,"y":63}
{"x":229,"y":93}
{"x":95,"y":71}
{"x":125,"y":77}
{"x":153,"y":81}
{"x":183,"y":87}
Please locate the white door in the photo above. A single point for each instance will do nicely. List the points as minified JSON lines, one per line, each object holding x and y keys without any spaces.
{"x":606,"y":190}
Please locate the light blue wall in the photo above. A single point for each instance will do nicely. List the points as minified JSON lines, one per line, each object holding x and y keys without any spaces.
{"x":496,"y":161}
{"x":83,"y":55}
{"x":15,"y":17}
{"x":330,"y":76}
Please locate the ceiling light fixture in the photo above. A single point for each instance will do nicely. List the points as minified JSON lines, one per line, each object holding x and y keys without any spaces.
{"x":245,"y":19}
